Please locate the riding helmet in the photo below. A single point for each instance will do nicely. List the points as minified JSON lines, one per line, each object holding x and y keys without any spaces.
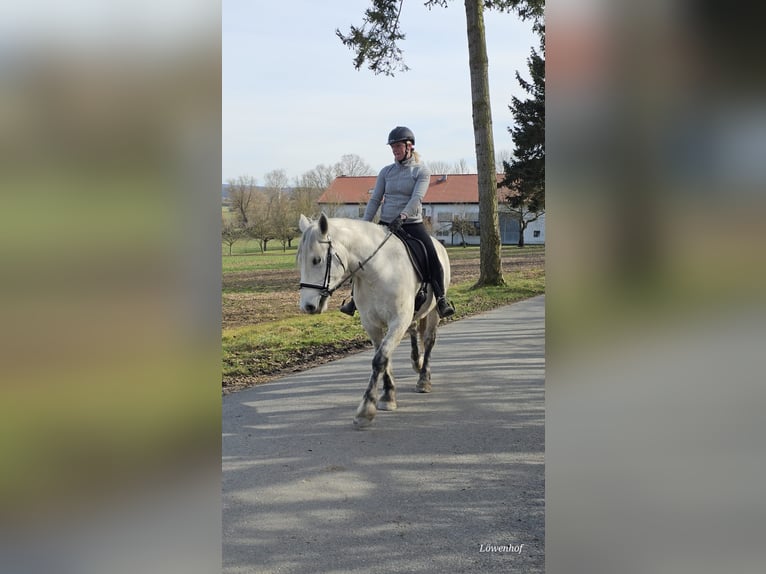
{"x":400,"y":134}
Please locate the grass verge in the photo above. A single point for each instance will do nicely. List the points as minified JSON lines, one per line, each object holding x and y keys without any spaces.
{"x":256,"y":353}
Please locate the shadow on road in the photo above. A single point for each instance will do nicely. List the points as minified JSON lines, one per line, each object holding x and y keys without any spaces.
{"x":431,"y":487}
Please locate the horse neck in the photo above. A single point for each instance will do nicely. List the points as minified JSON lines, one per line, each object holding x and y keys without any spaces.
{"x":359,"y":239}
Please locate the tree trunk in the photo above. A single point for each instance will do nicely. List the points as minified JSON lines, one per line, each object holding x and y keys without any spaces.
{"x":522,"y":229}
{"x":490,"y":272}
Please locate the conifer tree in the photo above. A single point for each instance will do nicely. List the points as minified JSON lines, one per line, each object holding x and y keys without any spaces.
{"x":525,"y":173}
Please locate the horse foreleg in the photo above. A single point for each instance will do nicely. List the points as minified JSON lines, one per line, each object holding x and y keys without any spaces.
{"x":387,"y":401}
{"x":415,"y":356}
{"x":428,"y":334}
{"x":380,"y":368}
{"x":367,"y":408}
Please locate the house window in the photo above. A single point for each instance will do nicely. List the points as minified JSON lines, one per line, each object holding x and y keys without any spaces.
{"x":536,"y":233}
{"x":444,"y":217}
{"x":361,"y":211}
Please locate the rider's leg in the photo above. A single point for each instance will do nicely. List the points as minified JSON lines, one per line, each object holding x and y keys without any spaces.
{"x":444,"y":307}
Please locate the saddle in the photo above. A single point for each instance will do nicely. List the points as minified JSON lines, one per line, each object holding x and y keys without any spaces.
{"x":418,"y":255}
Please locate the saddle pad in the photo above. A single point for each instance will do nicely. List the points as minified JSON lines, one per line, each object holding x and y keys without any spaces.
{"x":417,"y":254}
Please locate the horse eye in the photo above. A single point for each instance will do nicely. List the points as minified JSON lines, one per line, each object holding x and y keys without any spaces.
{"x":317,"y":260}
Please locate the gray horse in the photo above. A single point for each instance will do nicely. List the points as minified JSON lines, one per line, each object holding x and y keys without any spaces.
{"x":331,"y":252}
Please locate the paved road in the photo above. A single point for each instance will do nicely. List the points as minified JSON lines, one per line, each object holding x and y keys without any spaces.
{"x":451,"y":482}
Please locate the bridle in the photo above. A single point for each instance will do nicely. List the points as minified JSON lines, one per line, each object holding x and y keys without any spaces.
{"x":324,"y":289}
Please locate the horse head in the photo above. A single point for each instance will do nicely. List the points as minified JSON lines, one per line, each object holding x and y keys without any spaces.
{"x":317,"y":261}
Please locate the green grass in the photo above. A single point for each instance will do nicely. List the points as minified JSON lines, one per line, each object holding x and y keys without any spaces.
{"x":257,"y":261}
{"x":469,"y":301}
{"x":272,"y":347}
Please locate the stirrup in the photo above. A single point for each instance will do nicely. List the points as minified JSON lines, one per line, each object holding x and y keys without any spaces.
{"x":444,"y":307}
{"x":348,"y":308}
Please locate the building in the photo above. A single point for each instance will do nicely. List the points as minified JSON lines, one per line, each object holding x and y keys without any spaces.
{"x":449,"y":197}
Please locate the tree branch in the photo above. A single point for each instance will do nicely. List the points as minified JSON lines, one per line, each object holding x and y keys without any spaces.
{"x":377,"y":46}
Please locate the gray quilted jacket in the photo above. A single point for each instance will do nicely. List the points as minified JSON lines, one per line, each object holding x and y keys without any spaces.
{"x":401,"y":188}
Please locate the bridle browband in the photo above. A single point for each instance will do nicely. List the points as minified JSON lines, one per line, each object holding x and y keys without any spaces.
{"x":325,"y":290}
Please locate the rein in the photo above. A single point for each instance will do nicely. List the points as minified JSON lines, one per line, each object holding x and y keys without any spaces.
{"x":325,"y":290}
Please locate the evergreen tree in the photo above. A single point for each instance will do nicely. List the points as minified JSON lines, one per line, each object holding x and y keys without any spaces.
{"x":525,"y":173}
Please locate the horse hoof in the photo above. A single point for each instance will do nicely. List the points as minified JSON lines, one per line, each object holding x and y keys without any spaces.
{"x":361,"y":422}
{"x":387,"y":405}
{"x":423,"y":387}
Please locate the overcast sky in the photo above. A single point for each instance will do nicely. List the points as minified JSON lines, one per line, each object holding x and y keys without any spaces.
{"x":292,"y":98}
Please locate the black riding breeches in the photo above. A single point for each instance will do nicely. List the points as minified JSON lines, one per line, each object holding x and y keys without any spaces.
{"x":418,"y":231}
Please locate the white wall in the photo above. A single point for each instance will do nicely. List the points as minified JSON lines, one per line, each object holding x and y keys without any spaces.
{"x":529,"y":234}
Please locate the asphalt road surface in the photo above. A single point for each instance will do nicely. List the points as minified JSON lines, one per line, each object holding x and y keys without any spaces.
{"x":453,"y":481}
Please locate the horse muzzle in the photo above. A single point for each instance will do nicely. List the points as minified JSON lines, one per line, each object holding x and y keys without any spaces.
{"x":313,"y":303}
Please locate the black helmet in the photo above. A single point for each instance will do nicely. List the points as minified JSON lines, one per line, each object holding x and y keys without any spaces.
{"x":400,"y":134}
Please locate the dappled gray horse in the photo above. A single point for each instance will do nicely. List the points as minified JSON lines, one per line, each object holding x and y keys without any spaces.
{"x":333,"y":251}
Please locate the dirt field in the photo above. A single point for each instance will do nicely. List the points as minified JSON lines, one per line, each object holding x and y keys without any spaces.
{"x":277,"y":290}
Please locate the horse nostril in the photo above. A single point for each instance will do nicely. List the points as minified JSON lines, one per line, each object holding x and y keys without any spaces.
{"x":310,"y":308}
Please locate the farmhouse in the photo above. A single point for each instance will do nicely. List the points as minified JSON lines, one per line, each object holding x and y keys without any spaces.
{"x":450,"y":199}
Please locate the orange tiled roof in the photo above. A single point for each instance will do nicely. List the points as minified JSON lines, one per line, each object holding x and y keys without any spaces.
{"x":452,"y":188}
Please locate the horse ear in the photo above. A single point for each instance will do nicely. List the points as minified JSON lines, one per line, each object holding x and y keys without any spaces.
{"x":323,"y":224}
{"x":303,"y":223}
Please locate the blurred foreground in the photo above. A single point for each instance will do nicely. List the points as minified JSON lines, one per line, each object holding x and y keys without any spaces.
{"x":110,"y":341}
{"x":656,"y":293}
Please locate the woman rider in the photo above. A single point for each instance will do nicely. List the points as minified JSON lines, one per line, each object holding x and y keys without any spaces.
{"x":403,"y":185}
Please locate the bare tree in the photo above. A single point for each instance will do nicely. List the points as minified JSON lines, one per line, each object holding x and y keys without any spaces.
{"x":260,"y":225}
{"x":440,"y":167}
{"x":461,"y":166}
{"x":282,"y":222}
{"x":276,"y":181}
{"x":242,"y":194}
{"x":462,"y":226}
{"x":310,"y":186}
{"x":352,"y":165}
{"x":304,"y":201}
{"x":231,"y":233}
{"x":318,"y":178}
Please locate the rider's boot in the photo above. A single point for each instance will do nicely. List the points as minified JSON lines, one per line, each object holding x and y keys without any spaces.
{"x":348,"y":308}
{"x":444,"y":307}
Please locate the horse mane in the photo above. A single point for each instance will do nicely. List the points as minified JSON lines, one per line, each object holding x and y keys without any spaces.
{"x":354,"y":224}
{"x":346,"y":225}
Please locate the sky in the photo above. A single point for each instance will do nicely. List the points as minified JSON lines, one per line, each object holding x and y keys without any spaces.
{"x":292,"y":98}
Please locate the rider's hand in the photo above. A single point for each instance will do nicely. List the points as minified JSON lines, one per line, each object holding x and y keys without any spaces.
{"x":396,"y":224}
